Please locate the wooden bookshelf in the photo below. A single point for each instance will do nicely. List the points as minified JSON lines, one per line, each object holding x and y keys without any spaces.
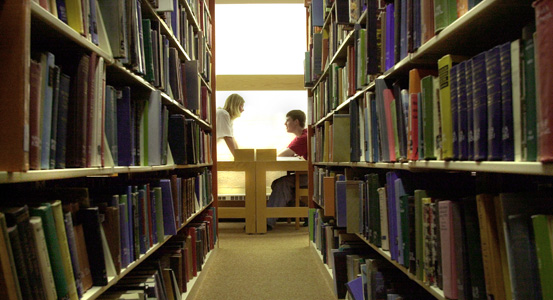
{"x":28,"y":29}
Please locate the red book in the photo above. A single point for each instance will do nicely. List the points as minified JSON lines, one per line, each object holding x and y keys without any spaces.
{"x":34,"y":115}
{"x":415,"y":89}
{"x":544,"y":61}
{"x":388,"y":99}
{"x":192,"y":234}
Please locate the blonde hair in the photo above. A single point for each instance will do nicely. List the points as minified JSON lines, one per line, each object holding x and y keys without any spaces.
{"x":232,"y":105}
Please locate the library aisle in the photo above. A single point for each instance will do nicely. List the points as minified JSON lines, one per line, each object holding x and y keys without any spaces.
{"x":277,"y":265}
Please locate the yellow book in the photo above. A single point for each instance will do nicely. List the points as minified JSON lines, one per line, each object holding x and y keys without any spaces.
{"x":444,"y":67}
{"x":57,"y":211}
{"x":75,"y":15}
{"x":502,"y":246}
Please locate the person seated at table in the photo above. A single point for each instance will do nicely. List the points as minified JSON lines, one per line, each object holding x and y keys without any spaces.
{"x":233,"y":108}
{"x":283,"y":187}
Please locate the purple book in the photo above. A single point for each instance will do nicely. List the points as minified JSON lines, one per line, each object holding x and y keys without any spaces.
{"x":454,"y":110}
{"x":168,"y":208}
{"x":480,"y":107}
{"x":470,"y":112}
{"x":355,"y":288}
{"x":392,"y":214}
{"x":493,"y":76}
{"x":389,"y":36}
{"x":153,"y":214}
{"x":462,"y":121}
{"x":124,"y":127}
{"x":506,"y":103}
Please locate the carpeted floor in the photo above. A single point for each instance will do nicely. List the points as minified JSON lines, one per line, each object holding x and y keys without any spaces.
{"x":275,"y":266}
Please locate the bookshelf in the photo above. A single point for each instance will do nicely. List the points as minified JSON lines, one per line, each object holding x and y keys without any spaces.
{"x":30,"y":28}
{"x":339,"y":84}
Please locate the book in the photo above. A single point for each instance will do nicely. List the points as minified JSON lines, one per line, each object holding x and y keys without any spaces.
{"x":340,"y":142}
{"x":74,"y":13}
{"x":47,"y":61}
{"x":35,"y":104}
{"x":110,"y":122}
{"x":125,"y":128}
{"x":76,"y":146}
{"x":448,"y":249}
{"x":542,"y":229}
{"x":114,"y":17}
{"x":507,"y":138}
{"x":154,"y":128}
{"x":480,"y":107}
{"x":494,"y":96}
{"x":54,"y":252}
{"x":473,"y":248}
{"x":61,"y":125}
{"x":444,"y":65}
{"x":530,"y":101}
{"x":544,"y":77}
{"x":90,"y":220}
{"x":9,"y":284}
{"x":72,"y":244}
{"x":54,"y":117}
{"x":43,"y":259}
{"x":415,"y":87}
{"x":462,"y":111}
{"x":384,"y":232}
{"x":427,"y":130}
{"x":516,"y":80}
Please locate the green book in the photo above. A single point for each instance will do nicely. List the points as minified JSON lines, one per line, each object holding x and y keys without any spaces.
{"x":530,"y":118}
{"x":419,"y":254}
{"x":440,"y":15}
{"x":311,"y":219}
{"x":374,"y":212}
{"x":543,"y":235}
{"x":148,"y":54}
{"x":427,"y":130}
{"x":404,"y":213}
{"x":45,"y":213}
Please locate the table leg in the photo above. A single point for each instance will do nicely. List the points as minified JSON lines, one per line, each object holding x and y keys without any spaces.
{"x":250,"y":203}
{"x":261,"y":198}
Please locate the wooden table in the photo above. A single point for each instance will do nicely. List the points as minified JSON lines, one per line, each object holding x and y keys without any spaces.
{"x":255,"y":210}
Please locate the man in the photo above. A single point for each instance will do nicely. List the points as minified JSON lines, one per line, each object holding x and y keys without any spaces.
{"x":283,"y":187}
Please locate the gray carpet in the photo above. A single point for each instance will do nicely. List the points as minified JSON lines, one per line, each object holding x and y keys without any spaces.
{"x":275,"y":266}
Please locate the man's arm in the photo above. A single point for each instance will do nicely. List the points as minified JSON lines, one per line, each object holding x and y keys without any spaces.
{"x":231,"y":143}
{"x":286,"y":153}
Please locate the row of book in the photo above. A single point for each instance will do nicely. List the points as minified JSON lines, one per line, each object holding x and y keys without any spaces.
{"x":134,"y":130}
{"x":166,"y":275}
{"x":358,"y":273}
{"x":477,"y":108}
{"x":61,"y":248}
{"x":470,"y":246}
{"x":393,"y":29}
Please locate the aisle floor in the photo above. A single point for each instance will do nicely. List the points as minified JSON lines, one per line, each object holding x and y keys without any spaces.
{"x":278,"y":265}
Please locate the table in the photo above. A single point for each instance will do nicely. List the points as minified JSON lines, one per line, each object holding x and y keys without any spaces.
{"x":255,"y":210}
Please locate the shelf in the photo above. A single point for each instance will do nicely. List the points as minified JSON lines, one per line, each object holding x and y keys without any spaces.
{"x":193,"y":166}
{"x":524,"y":168}
{"x":434,"y":291}
{"x":57,"y":30}
{"x":96,"y":291}
{"x":325,"y":270}
{"x":190,"y":15}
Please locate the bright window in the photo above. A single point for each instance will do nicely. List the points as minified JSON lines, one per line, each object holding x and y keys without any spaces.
{"x":260,"y":38}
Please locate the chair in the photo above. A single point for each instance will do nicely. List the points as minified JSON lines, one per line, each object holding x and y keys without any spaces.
{"x":301,"y":193}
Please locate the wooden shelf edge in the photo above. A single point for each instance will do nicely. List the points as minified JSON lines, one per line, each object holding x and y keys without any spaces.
{"x":434,"y":291}
{"x":194,"y":283}
{"x":325,"y":270}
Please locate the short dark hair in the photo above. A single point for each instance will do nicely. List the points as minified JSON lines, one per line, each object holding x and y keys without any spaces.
{"x":297,"y":114}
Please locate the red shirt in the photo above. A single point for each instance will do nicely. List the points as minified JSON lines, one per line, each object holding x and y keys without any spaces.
{"x":299,"y":144}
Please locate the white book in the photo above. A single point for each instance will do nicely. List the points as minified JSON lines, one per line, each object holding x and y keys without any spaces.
{"x":43,"y":259}
{"x":516,"y":98}
{"x":384,"y":218}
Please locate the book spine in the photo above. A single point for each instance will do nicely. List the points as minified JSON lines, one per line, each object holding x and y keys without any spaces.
{"x":428,"y":116}
{"x":454,"y":93}
{"x":444,"y":66}
{"x":507,"y":140}
{"x":48,"y":74}
{"x":43,"y":260}
{"x":462,"y":127}
{"x":541,"y":225}
{"x":448,"y":249}
{"x":480,"y":107}
{"x":530,"y":98}
{"x":35,"y":104}
{"x":11,"y":289}
{"x":469,"y":108}
{"x":61,"y":139}
{"x":544,"y":25}
{"x":91,"y":227}
{"x":72,"y":245}
{"x":64,"y":249}
{"x":516,"y":80}
{"x":493,"y":79}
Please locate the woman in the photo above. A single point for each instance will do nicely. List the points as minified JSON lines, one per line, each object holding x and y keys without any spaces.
{"x":234,"y":106}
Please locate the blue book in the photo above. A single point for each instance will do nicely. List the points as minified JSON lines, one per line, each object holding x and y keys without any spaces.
{"x":341,"y":203}
{"x":389,"y":58}
{"x":470,"y":111}
{"x":169,"y":223}
{"x":417,"y":29}
{"x":480,"y":107}
{"x":93,"y":23}
{"x":125,"y":125}
{"x":493,"y":78}
{"x":355,"y":288}
{"x":63,"y":106}
{"x":48,"y":68}
{"x":462,"y":127}
{"x":62,"y":11}
{"x":399,"y":191}
{"x":124,"y":231}
{"x":454,"y":110}
{"x":392,"y":214}
{"x":375,"y":135}
{"x":507,"y":139}
{"x":317,"y":13}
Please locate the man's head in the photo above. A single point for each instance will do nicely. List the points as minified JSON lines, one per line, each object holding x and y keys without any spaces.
{"x":295,"y":120}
